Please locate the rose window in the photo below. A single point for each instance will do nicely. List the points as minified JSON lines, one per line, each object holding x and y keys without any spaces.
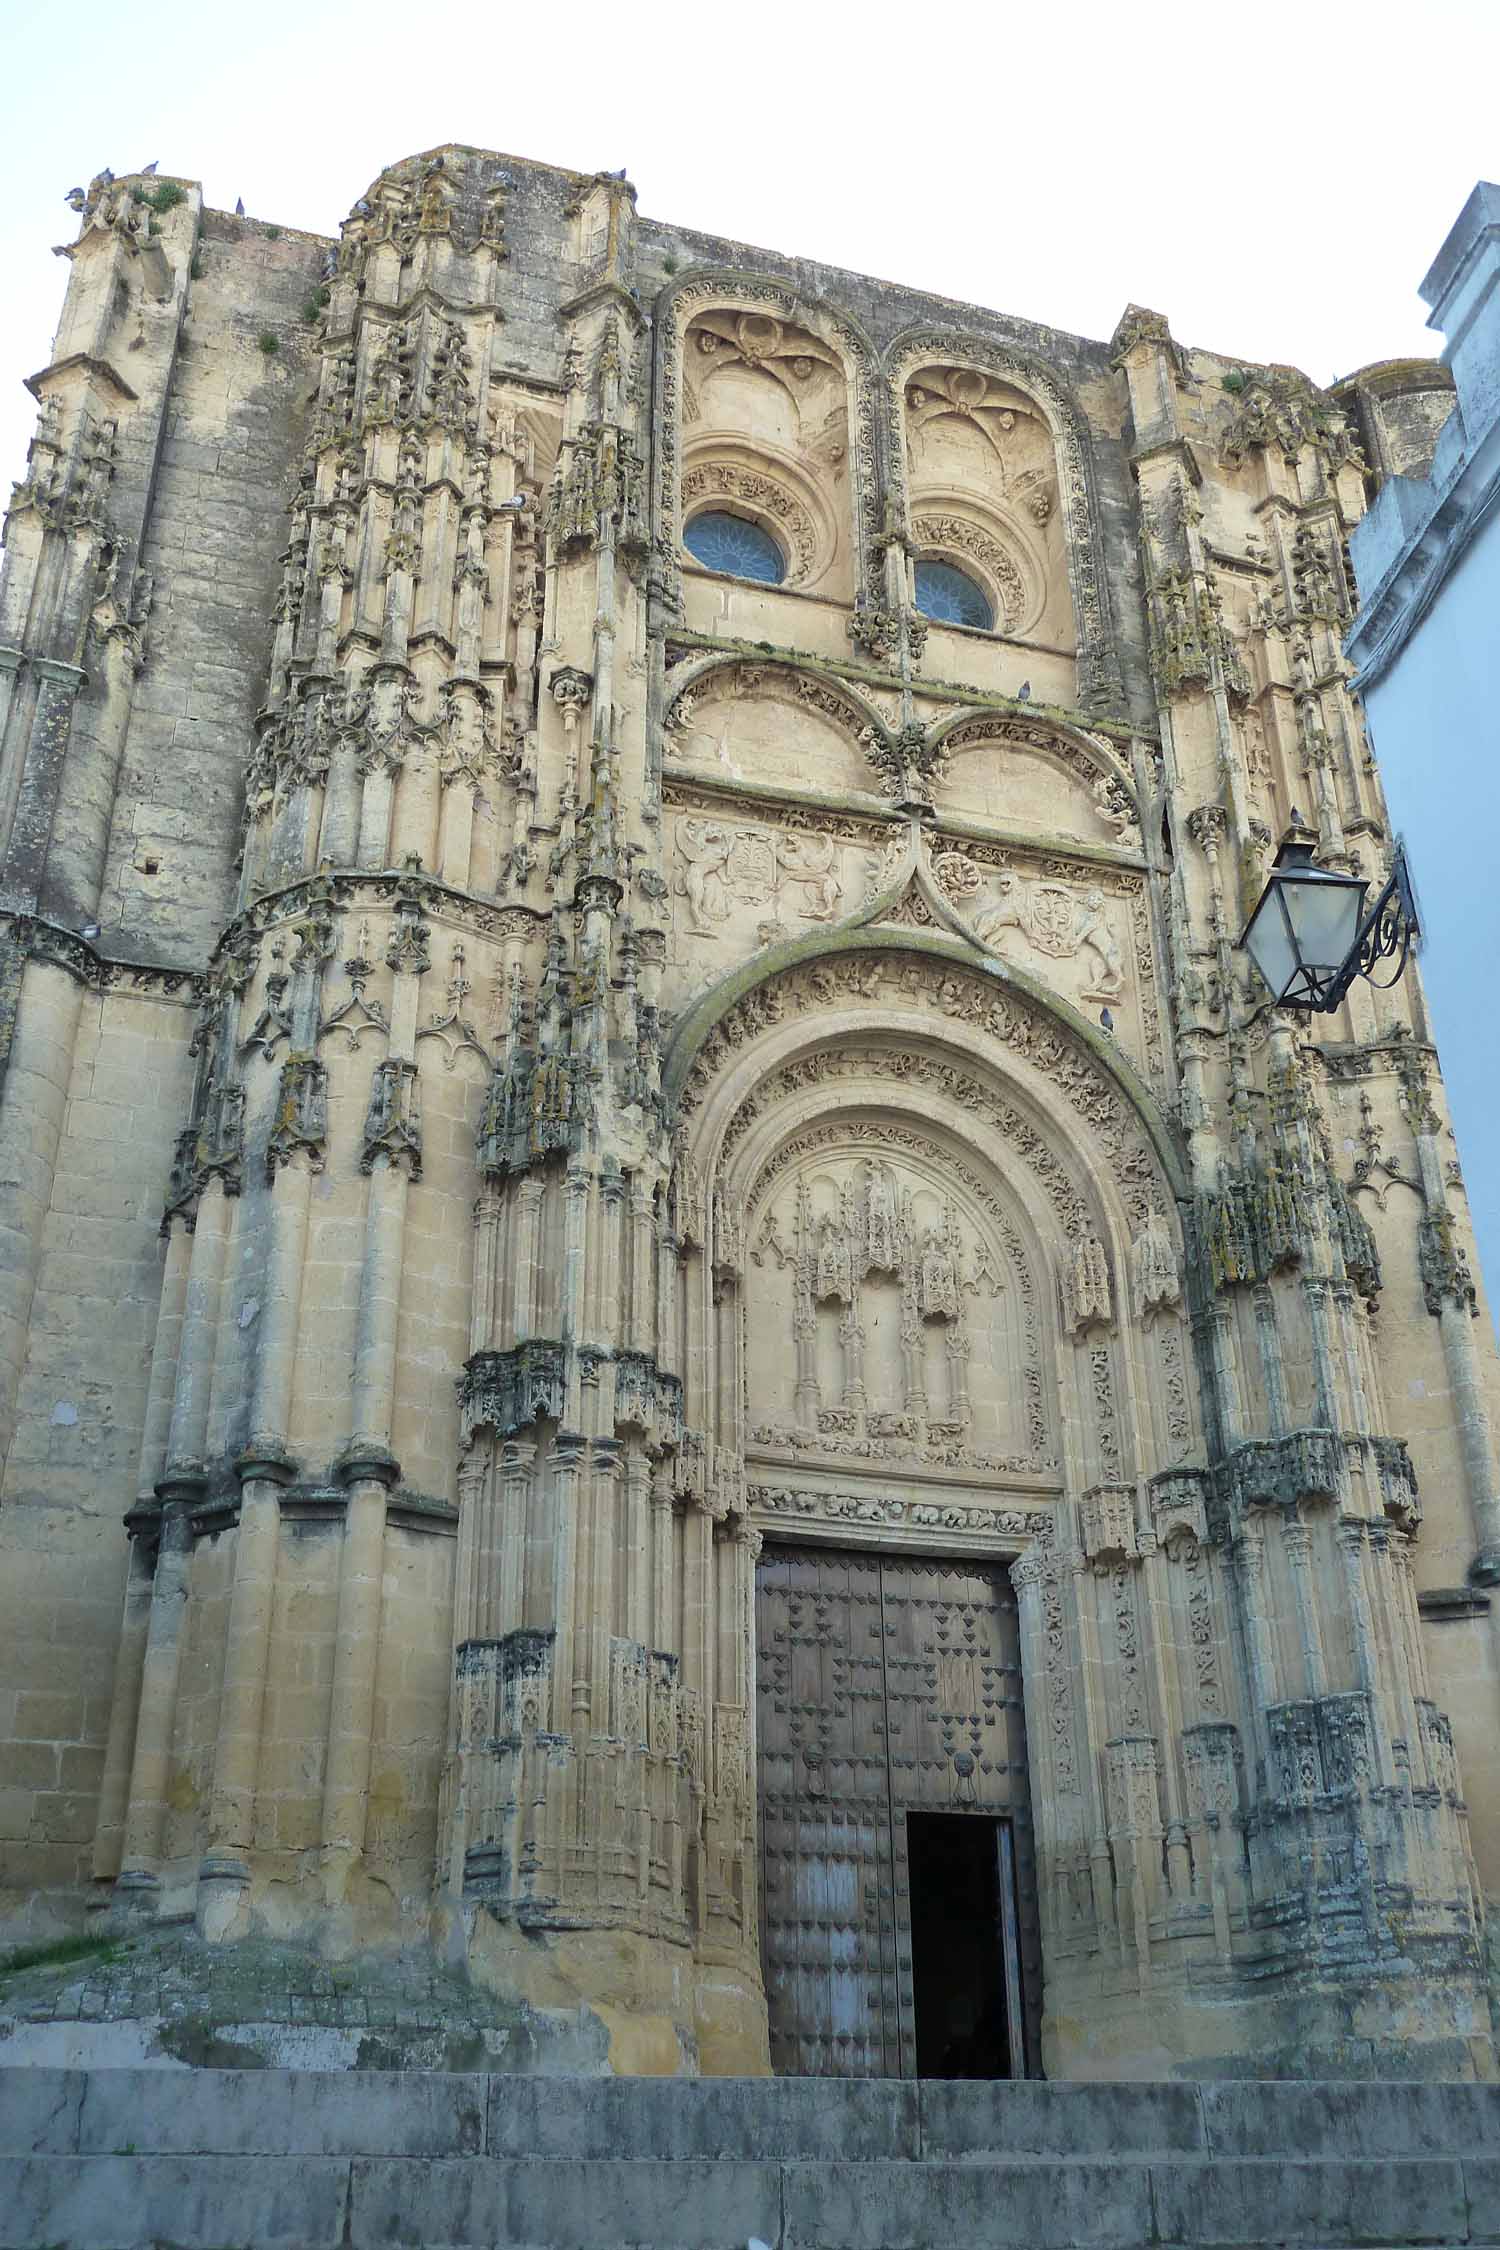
{"x":734,"y":545}
{"x":949,"y":596}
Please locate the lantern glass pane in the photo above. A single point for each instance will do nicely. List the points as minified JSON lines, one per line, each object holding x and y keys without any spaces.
{"x":1268,"y":942}
{"x":1324,"y":917}
{"x":1307,"y":920}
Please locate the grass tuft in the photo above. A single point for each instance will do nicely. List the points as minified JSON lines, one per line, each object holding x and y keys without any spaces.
{"x":59,"y":1953}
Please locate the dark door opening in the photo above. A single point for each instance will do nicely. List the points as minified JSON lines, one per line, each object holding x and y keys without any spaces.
{"x":966,"y":1986}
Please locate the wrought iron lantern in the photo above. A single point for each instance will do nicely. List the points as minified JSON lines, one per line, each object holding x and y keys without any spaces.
{"x":1311,"y":934}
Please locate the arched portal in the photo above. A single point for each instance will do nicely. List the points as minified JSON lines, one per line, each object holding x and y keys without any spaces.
{"x":931,"y":1321}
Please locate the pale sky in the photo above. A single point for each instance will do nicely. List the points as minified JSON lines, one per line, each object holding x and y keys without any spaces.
{"x":1276,"y":178}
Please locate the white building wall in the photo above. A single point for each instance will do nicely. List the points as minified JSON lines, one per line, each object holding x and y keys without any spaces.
{"x":1427,"y":647}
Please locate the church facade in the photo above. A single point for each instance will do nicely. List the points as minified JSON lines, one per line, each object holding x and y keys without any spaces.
{"x":673,"y":1315}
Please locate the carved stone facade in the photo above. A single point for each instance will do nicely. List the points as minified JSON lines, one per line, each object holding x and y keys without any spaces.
{"x":562,"y":1066}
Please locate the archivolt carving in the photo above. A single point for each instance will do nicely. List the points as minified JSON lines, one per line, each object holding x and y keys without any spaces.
{"x":716,"y":676}
{"x":947,"y":534}
{"x":883,"y":978}
{"x":1092,"y":765}
{"x":764,"y":495}
{"x":1099,"y":681}
{"x":928,"y":1072}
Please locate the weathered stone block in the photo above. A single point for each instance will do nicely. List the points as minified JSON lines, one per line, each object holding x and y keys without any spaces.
{"x":286,"y":2114}
{"x":1295,"y":2201}
{"x":39,"y":2111}
{"x":1044,"y":2206}
{"x":793,"y":2119}
{"x":567,"y":2205}
{"x":1351,"y":2121}
{"x":978,"y":2122}
{"x":124,"y":2202}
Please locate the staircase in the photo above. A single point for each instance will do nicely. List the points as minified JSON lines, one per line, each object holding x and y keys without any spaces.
{"x":216,"y":2160}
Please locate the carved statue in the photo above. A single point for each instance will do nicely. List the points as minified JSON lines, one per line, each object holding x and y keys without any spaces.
{"x":705,"y":846}
{"x":939,"y":1282}
{"x":811,"y":862}
{"x":833,"y":1274}
{"x":882,"y":1224}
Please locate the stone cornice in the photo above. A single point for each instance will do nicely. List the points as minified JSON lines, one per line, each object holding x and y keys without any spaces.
{"x":99,"y":370}
{"x":42,"y":940}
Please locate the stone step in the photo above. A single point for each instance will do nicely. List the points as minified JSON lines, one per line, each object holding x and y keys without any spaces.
{"x":437,"y":2113}
{"x":137,"y":2202}
{"x":208,"y":2160}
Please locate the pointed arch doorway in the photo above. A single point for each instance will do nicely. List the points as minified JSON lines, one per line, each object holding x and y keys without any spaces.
{"x":898,"y":1885}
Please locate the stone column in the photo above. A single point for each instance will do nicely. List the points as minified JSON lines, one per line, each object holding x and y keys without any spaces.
{"x":125,"y":1689}
{"x":187,"y":1429}
{"x":33,"y":1100}
{"x":162,"y":1389}
{"x":263,"y":1468}
{"x":369,"y":1469}
{"x":1476,"y":1438}
{"x":1450,"y":1296}
{"x":124,"y":1708}
{"x":147,"y":1800}
{"x":346,"y":1773}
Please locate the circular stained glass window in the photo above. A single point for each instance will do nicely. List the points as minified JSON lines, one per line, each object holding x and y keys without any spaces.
{"x":950,"y":597}
{"x":733,"y":544}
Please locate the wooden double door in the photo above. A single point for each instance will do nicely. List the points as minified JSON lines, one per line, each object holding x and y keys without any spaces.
{"x":898,"y":1894}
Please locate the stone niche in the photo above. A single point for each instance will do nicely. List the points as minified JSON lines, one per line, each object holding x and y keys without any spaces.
{"x":765,"y":436}
{"x":983,"y":485}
